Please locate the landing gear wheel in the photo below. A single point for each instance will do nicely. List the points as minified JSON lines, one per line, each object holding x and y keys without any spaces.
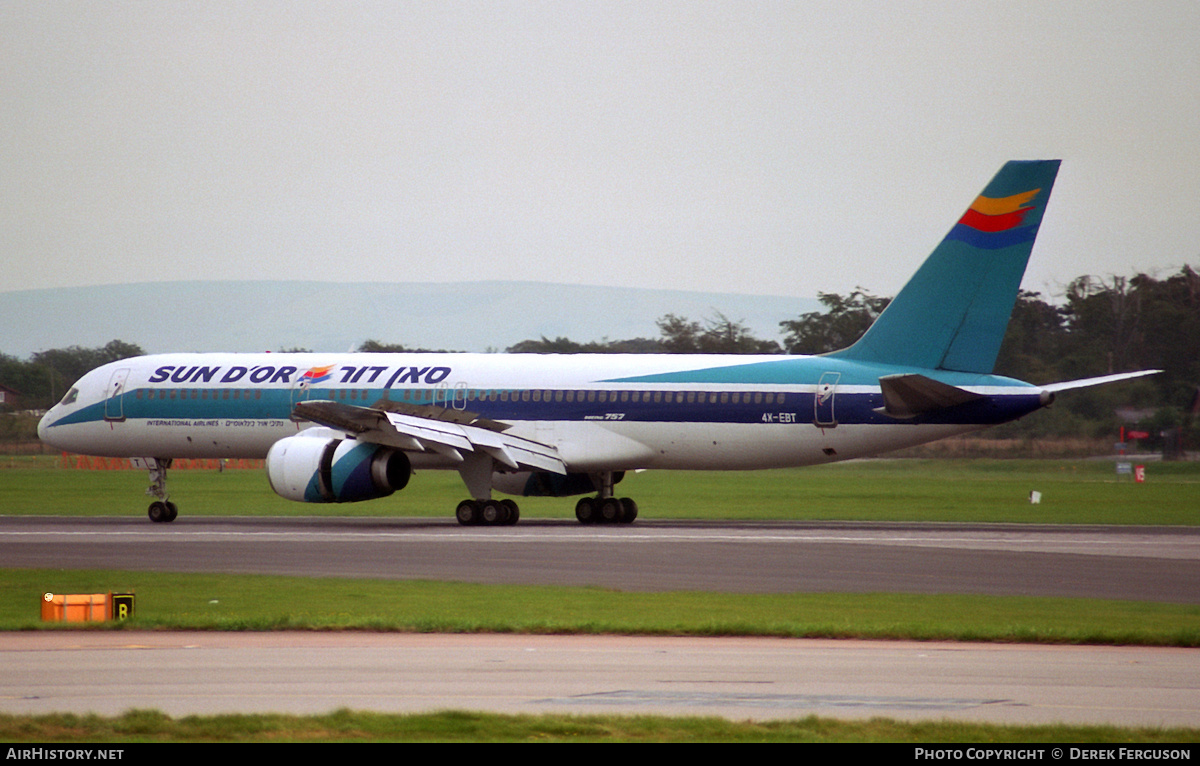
{"x":467,"y":513}
{"x":493,"y":513}
{"x":610,"y":510}
{"x":585,"y":510}
{"x":158,"y":511}
{"x":629,"y":510}
{"x":514,"y":513}
{"x":172,"y":511}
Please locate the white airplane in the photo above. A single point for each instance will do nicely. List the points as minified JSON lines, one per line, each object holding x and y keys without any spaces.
{"x":351,"y":427}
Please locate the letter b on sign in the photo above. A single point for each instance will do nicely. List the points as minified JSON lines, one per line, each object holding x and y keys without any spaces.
{"x":122,"y":606}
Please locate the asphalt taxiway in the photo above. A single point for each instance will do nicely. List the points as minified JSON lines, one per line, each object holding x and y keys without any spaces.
{"x":1137,"y":563}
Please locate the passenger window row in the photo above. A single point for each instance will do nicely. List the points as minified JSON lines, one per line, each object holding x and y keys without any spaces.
{"x":439,"y":395}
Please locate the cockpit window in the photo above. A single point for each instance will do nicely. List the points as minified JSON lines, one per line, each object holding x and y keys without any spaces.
{"x":71,"y":396}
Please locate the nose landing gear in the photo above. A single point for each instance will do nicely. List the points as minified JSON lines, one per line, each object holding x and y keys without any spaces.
{"x":162,"y":509}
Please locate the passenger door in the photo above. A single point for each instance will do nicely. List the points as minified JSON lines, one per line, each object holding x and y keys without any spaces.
{"x":823,"y":412}
{"x":114,"y":402}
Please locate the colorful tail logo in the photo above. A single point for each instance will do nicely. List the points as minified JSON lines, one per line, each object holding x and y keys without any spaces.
{"x":995,"y":223}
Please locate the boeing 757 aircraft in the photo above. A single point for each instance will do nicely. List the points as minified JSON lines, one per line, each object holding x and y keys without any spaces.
{"x":350,"y":427}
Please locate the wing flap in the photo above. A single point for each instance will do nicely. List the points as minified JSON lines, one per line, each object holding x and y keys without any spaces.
{"x":422,"y":434}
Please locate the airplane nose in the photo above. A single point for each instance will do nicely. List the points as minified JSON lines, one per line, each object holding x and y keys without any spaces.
{"x":43,"y":424}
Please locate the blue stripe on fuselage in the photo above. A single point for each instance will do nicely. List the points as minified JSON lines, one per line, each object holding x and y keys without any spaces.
{"x":652,"y":403}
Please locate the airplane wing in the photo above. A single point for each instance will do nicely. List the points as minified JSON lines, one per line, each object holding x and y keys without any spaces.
{"x":448,"y":433}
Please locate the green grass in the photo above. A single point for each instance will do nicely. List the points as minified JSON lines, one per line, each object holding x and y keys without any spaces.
{"x":347,"y":726}
{"x":262,"y":602}
{"x":1073,"y":492}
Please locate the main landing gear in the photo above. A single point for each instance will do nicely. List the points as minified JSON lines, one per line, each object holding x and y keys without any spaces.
{"x":601,"y":509}
{"x":476,"y":471}
{"x":504,"y":513}
{"x":162,"y":509}
{"x":491,"y":512}
{"x":606,"y":510}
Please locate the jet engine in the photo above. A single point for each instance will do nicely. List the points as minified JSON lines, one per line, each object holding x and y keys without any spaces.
{"x":319,"y":470}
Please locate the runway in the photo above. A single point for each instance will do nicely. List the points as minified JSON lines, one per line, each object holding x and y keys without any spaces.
{"x":736,"y":678}
{"x":185,"y":673}
{"x":1137,"y":563}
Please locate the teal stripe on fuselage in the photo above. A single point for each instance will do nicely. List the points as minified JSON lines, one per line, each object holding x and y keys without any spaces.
{"x":807,"y":371}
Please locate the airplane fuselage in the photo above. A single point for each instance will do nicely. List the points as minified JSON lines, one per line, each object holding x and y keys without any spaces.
{"x":602,"y":412}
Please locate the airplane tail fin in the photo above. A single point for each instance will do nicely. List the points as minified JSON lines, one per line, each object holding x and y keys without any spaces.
{"x":953,"y":313}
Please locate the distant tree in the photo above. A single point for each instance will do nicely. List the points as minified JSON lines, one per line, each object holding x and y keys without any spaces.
{"x":66,"y":365}
{"x":1169,"y":333}
{"x":1103,"y":318}
{"x":724,"y":336}
{"x":544,"y":345}
{"x":717,"y":335}
{"x":72,"y":362}
{"x":843,"y":322}
{"x":27,"y":379}
{"x":561,"y":345}
{"x":634,"y":346}
{"x":377,"y":347}
{"x":1034,"y":341}
{"x":45,"y":377}
{"x":679,"y":334}
{"x":1120,"y":324}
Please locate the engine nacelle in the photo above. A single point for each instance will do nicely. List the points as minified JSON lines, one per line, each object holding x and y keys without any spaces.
{"x":318,"y":470}
{"x":546,"y":484}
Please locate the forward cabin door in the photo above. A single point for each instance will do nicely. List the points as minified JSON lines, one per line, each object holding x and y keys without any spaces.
{"x":114,"y":403}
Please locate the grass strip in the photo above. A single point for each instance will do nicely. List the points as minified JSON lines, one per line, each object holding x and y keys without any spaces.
{"x":1073,"y":492}
{"x":450,"y":726}
{"x":263,"y":602}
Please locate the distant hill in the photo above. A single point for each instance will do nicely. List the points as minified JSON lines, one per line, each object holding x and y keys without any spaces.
{"x":332,"y":316}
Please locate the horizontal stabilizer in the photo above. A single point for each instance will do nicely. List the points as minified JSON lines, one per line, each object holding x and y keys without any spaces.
{"x":907,"y":396}
{"x":1071,"y":385}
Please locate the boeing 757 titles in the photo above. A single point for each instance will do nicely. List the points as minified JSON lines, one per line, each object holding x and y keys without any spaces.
{"x":351,"y":427}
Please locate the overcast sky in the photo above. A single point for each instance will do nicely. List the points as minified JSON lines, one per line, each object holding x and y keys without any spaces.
{"x":752,"y":147}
